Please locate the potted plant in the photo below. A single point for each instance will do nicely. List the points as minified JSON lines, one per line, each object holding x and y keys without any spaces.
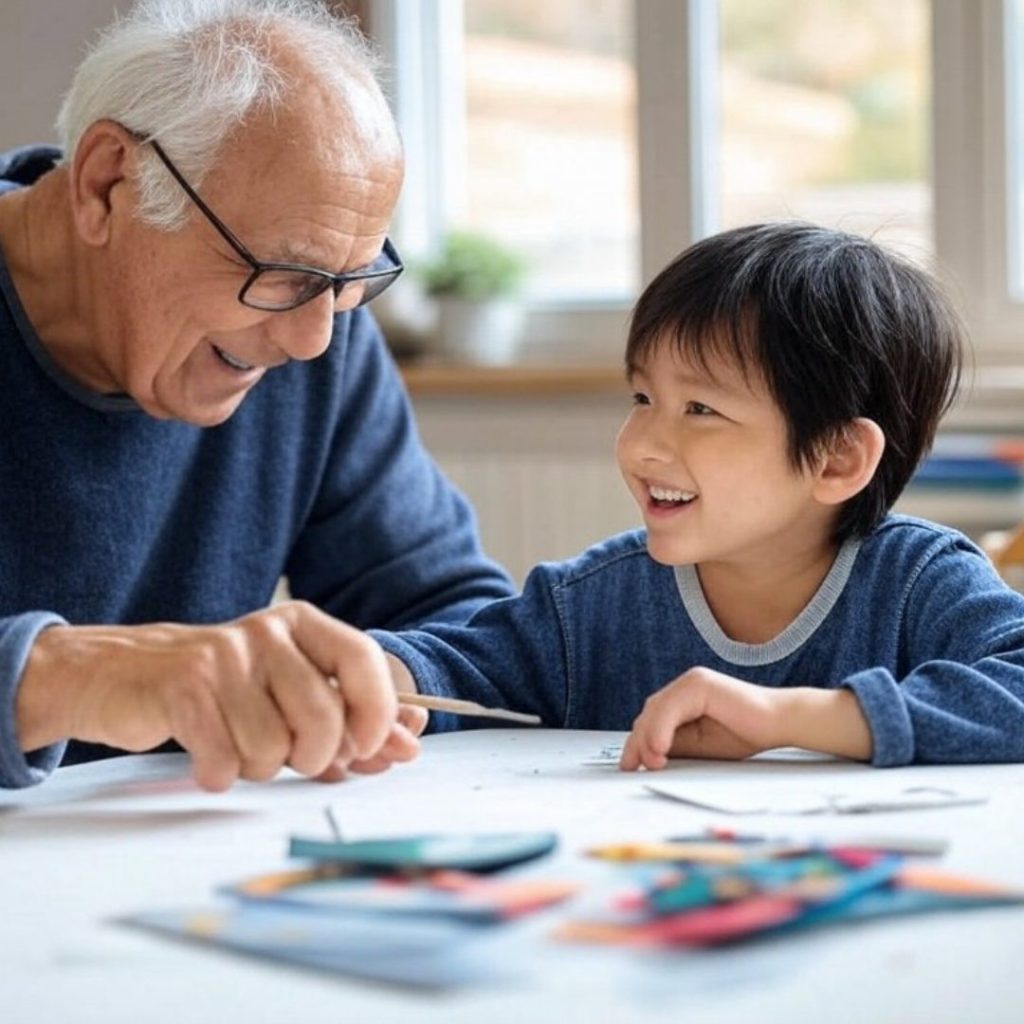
{"x":474,"y":281}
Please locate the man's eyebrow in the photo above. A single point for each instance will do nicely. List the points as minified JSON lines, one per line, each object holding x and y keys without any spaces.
{"x":287,"y":252}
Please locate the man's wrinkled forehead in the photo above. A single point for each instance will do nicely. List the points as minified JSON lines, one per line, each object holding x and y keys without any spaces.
{"x":341,"y":109}
{"x":282,"y":164}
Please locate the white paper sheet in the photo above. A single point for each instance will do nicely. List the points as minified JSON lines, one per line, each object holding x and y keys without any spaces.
{"x":728,"y":798}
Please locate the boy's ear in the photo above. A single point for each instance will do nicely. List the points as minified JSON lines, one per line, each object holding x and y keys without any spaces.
{"x":851,"y":462}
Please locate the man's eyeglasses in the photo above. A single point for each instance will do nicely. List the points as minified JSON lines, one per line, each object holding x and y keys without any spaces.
{"x":276,"y":287}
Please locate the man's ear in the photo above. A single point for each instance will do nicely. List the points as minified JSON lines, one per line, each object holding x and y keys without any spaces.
{"x":851,"y":462}
{"x":101,"y":163}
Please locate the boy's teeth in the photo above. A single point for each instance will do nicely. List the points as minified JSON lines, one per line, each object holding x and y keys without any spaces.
{"x":666,"y":494}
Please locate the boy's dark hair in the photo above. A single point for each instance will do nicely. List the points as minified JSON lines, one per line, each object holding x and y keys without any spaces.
{"x":836,"y":326}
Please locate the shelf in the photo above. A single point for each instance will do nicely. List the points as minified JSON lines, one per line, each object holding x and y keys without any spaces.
{"x":970,"y":511}
{"x":423,"y":379}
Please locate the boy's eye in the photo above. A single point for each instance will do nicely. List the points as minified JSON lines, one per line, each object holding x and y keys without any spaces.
{"x":699,"y":409}
{"x":639,"y":398}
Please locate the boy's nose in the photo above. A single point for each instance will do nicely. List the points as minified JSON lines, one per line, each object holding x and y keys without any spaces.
{"x":655,"y":443}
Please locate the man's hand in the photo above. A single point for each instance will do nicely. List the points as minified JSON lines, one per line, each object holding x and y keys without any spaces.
{"x":288,"y":685}
{"x":707,"y":714}
{"x":402,"y":744}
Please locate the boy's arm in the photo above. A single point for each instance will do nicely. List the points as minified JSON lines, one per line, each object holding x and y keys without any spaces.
{"x":961,"y":701}
{"x":962,"y":698}
{"x":705,"y":713}
{"x":511,"y":654}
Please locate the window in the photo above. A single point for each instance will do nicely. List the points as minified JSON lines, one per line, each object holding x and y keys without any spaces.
{"x":824,"y":113}
{"x":603,"y":136}
{"x":549,"y":89}
{"x":1015,"y":130}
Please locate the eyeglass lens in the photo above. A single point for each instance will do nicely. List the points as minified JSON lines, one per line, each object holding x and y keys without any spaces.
{"x":285,"y":289}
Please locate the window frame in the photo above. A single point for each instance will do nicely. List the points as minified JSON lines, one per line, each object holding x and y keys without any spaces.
{"x":971,"y":138}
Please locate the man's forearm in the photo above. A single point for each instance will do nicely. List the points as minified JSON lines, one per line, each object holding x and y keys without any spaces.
{"x":42,"y":713}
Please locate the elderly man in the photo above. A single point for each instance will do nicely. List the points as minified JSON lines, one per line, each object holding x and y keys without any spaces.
{"x":195,"y":403}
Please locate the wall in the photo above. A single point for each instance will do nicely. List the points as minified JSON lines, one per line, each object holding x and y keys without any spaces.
{"x":41,"y":43}
{"x":540,"y":470}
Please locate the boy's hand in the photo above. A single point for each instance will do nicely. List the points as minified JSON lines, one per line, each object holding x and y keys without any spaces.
{"x":703,"y":714}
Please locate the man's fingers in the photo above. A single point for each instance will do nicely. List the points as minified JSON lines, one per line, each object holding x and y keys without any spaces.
{"x":248,"y":697}
{"x":400,"y":746}
{"x":413,"y":718}
{"x":336,"y":771}
{"x":312,"y":709}
{"x":358,"y":664}
{"x":261,"y":734}
{"x":197,"y":724}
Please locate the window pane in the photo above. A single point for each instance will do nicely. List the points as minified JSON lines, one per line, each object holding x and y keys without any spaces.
{"x":551,"y":140}
{"x":825,"y":114}
{"x":1015,"y":143}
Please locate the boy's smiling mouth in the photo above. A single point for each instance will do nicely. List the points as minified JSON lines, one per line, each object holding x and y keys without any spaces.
{"x":669,"y":497}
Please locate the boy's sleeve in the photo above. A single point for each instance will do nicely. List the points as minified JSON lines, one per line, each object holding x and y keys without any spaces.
{"x":962,"y":700}
{"x":513,"y":653}
{"x":17,"y":635}
{"x":390,"y":543}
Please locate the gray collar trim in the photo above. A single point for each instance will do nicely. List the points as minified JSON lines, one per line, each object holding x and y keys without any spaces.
{"x":797,"y":633}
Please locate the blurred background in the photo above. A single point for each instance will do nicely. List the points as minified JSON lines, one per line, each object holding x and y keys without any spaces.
{"x":822,"y":111}
{"x":592,"y":140}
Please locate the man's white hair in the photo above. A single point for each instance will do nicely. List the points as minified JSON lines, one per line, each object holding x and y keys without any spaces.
{"x":187,"y":72}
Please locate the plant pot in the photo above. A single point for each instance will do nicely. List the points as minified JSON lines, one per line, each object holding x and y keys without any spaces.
{"x":484,"y":332}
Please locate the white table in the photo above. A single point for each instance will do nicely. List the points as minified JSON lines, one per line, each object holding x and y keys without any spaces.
{"x":70,"y":861}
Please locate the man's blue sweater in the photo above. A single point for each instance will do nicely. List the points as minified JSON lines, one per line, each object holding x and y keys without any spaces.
{"x":110,"y":516}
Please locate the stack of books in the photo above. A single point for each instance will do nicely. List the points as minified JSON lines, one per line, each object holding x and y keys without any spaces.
{"x":975,"y":462}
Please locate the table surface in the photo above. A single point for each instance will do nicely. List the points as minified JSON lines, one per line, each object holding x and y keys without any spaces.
{"x":108,"y":839}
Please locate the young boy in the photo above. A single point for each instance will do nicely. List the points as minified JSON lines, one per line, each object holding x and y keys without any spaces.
{"x":786,"y":380}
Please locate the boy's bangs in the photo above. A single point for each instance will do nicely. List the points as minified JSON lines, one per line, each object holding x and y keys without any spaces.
{"x":703,"y":339}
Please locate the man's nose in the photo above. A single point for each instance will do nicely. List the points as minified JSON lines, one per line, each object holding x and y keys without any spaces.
{"x":304,"y":332}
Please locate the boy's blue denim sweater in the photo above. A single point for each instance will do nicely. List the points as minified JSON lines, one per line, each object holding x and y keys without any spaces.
{"x":912,"y":618}
{"x":110,"y":516}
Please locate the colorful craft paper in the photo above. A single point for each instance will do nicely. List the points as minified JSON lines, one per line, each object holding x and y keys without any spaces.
{"x":483,"y":851}
{"x":439,"y":894}
{"x":706,"y":901}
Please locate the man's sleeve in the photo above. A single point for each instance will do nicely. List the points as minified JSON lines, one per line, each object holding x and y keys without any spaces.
{"x":390,"y":543}
{"x":17,"y":635}
{"x":962,"y":697}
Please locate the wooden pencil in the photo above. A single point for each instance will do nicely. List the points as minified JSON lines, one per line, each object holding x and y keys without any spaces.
{"x":465,"y":707}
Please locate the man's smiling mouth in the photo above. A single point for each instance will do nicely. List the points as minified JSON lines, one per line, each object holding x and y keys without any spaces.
{"x":232,"y":361}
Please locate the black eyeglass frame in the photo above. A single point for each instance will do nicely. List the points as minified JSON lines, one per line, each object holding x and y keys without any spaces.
{"x":336,"y":282}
